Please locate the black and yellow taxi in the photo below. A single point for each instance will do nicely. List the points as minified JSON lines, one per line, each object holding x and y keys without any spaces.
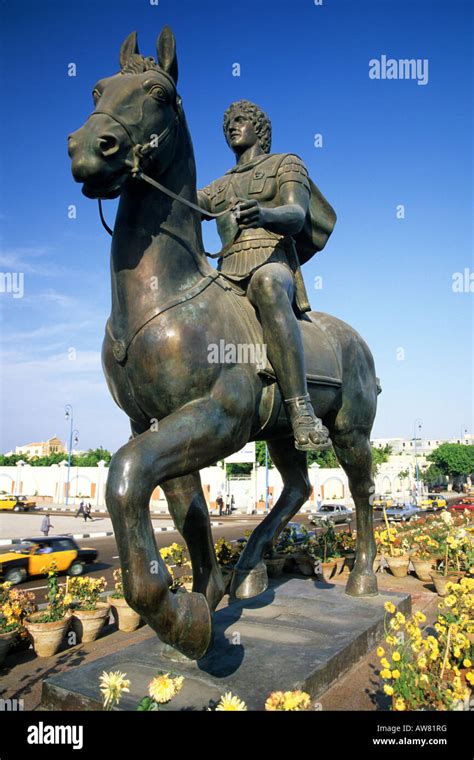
{"x":34,"y":556}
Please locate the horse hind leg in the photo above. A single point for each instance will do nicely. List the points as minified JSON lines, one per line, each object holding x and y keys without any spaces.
{"x":190,"y":514}
{"x":355,"y":456}
{"x":250,"y":575}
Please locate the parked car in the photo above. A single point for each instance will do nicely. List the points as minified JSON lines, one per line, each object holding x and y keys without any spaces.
{"x":34,"y":556}
{"x":16,"y":503}
{"x":465,"y":503}
{"x":402,"y":512}
{"x":336,"y":513}
{"x":432,"y":502}
{"x":438,"y":489}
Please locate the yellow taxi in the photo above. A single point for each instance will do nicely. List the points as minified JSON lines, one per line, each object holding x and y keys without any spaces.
{"x":34,"y":556}
{"x":16,"y":503}
{"x":433,"y":501}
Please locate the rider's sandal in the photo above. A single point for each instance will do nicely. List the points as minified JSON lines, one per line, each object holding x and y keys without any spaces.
{"x":309,"y":432}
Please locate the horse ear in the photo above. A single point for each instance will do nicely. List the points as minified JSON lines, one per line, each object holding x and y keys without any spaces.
{"x":166,"y":50}
{"x":129,"y":48}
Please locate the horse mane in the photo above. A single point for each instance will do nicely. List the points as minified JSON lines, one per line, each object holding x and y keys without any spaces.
{"x":137,"y":64}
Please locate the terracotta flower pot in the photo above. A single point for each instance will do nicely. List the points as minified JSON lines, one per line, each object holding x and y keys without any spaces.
{"x":47,"y":637}
{"x":87,"y":624}
{"x":275,"y":566}
{"x":440,"y":582}
{"x":327,"y":569}
{"x":398,"y":565}
{"x":423,"y":568}
{"x":126,"y":618}
{"x":6,"y":641}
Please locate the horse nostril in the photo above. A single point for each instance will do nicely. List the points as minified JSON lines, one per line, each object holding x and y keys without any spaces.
{"x":108,"y":145}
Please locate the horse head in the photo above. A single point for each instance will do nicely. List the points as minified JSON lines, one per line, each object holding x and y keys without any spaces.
{"x":136,"y":116}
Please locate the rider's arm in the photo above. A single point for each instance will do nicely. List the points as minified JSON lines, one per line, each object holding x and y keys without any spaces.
{"x":204,"y":201}
{"x":293,"y":193}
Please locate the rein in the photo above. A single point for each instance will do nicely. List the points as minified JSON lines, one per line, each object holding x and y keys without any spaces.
{"x":139,"y":152}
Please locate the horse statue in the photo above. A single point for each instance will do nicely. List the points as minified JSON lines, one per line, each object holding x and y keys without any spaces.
{"x":169,"y":305}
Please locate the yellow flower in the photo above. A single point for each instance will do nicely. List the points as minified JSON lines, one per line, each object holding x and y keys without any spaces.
{"x":450,"y":600}
{"x":420,"y":617}
{"x":391,"y":640}
{"x":296,"y":701}
{"x":467,"y":663}
{"x":231,"y":703}
{"x":385,"y":674}
{"x":400,"y":618}
{"x":388,"y":690}
{"x":396,"y":657}
{"x":112,"y":685}
{"x":380,"y":651}
{"x":163,"y":688}
{"x":470,"y":677}
{"x":400,"y":704}
{"x":396,"y":674}
{"x":384,"y":662}
{"x":389,"y":607}
{"x":394,"y":625}
{"x":424,"y":678}
{"x":275,"y":701}
{"x":422,"y":662}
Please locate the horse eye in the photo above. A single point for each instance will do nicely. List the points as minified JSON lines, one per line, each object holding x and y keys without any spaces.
{"x":158,"y":92}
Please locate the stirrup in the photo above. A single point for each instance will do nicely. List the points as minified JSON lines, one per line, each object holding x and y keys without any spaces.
{"x":309,"y":432}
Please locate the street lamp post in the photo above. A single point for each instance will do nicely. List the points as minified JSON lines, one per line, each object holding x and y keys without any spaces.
{"x":73,"y":436}
{"x":417,"y":423}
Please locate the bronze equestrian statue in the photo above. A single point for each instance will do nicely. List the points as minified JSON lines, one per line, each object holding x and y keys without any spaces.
{"x":169,"y":305}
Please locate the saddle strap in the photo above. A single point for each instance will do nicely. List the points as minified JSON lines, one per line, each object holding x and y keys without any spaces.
{"x":120,"y":346}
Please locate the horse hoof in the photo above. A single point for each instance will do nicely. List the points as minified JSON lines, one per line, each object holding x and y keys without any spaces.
{"x":362,"y":584}
{"x":186,"y":624}
{"x":249,"y":583}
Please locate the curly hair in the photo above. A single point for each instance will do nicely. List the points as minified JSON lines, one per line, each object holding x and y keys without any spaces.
{"x":259,"y":119}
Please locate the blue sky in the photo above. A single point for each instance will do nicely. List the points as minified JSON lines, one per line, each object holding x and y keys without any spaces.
{"x":385,"y":143}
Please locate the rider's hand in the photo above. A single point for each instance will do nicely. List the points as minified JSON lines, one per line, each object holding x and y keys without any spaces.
{"x":249,"y":214}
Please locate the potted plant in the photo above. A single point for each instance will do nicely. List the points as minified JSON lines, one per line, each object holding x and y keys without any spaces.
{"x":227,"y":557}
{"x":324,"y":552}
{"x":397,"y":556}
{"x":15,"y":606}
{"x":276,"y":556}
{"x":89,"y":614}
{"x":451,"y":567}
{"x":126,"y":618}
{"x":174,"y":556}
{"x":424,"y":555}
{"x":47,"y":627}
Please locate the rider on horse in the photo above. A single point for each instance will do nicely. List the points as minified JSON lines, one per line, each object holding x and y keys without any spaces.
{"x":277,"y":219}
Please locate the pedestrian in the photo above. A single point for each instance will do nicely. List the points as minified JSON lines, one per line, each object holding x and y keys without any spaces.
{"x":227,"y":504}
{"x":87,"y":512}
{"x":81,"y":510}
{"x":46,"y":525}
{"x":220,"y":504}
{"x":232,"y":504}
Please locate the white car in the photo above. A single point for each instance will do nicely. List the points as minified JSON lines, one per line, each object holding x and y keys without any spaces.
{"x":336,"y":513}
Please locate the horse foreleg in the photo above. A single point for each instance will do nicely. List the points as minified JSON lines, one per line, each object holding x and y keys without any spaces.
{"x":190,"y":514}
{"x":186,"y":441}
{"x":355,"y":456}
{"x":250,"y":575}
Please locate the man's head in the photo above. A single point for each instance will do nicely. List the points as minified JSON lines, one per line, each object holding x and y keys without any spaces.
{"x":245,"y":124}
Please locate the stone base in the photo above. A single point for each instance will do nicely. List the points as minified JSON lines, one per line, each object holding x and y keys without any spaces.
{"x":299,"y":634}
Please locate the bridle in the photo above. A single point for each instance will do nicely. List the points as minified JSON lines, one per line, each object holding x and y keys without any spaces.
{"x":140,"y":152}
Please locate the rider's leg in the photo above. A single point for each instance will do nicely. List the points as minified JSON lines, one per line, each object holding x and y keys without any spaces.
{"x":271,"y":291}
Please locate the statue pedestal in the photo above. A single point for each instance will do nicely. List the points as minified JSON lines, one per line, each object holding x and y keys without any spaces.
{"x":299,"y":634}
